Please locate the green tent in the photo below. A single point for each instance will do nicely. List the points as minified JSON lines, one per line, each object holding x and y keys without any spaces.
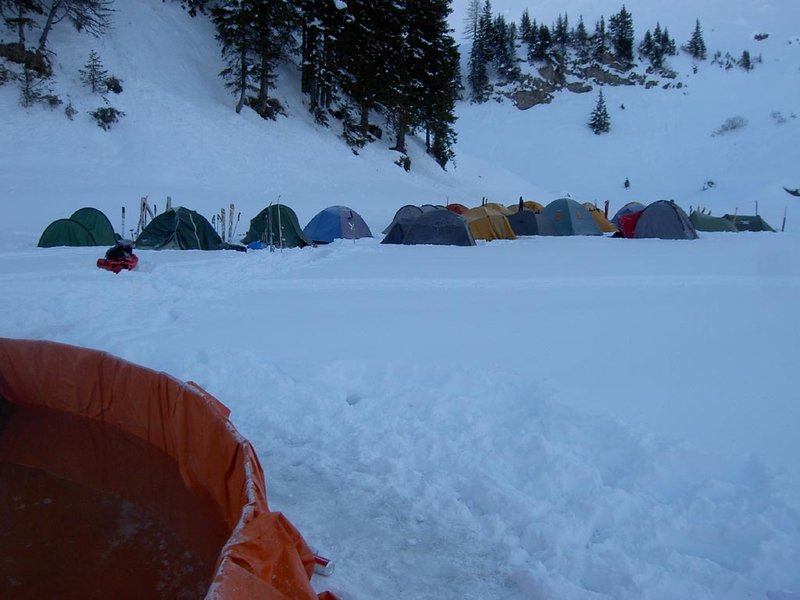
{"x":748,"y":223}
{"x":277,"y":225}
{"x":98,"y":225}
{"x":704,"y":222}
{"x":66,"y":232}
{"x":180,"y":229}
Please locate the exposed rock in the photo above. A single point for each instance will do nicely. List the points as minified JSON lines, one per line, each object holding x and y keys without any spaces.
{"x":579,"y":87}
{"x":525,"y":99}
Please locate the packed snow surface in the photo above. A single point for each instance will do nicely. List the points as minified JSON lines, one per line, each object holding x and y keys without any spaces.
{"x":544,"y":418}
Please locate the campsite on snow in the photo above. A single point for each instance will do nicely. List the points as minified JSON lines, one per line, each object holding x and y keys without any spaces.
{"x":452,"y":299}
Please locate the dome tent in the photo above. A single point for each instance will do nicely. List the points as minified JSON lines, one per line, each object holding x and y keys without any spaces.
{"x":665,"y":220}
{"x":86,"y":227}
{"x":336,"y":222}
{"x":441,"y":228}
{"x":565,"y":216}
{"x":179,"y":229}
{"x":65,"y":232}
{"x":487,"y":223}
{"x":405,"y":214}
{"x":627,"y":209}
{"x":748,"y":223}
{"x":98,"y":225}
{"x":277,"y":225}
{"x":128,"y":437}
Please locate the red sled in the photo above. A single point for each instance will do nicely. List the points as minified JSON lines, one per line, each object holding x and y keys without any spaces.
{"x":115,"y":265}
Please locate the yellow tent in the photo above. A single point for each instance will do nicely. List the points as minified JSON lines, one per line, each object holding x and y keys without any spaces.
{"x":488,"y":224}
{"x":527,"y":204}
{"x":498,"y":207}
{"x":604,"y":224}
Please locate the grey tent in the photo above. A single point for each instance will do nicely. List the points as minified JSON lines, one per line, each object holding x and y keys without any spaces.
{"x":406,"y":214}
{"x":704,"y":222}
{"x":565,"y":216}
{"x":98,"y":225}
{"x":748,"y":222}
{"x":523,"y":222}
{"x":666,"y":220}
{"x":66,"y":232}
{"x":439,"y":227}
{"x":336,"y":222}
{"x":179,"y":229}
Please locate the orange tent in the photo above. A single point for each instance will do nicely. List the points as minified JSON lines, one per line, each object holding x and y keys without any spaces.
{"x":603,"y":223}
{"x":488,"y":224}
{"x":86,"y":437}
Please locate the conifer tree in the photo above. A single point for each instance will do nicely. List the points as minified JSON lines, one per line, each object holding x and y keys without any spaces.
{"x":471,"y":19}
{"x":93,"y":75}
{"x":544,"y":42}
{"x":371,"y":41}
{"x":236,"y":37}
{"x":561,"y":31}
{"x":745,"y":62}
{"x":321,"y":23}
{"x":600,"y":40}
{"x":696,"y":46}
{"x":505,"y":59}
{"x":478,"y":76}
{"x":599,"y":121}
{"x":620,"y":28}
{"x":580,"y":40}
{"x":525,"y":26}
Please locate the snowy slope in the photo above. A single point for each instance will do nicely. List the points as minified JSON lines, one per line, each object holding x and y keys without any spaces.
{"x":542,"y":419}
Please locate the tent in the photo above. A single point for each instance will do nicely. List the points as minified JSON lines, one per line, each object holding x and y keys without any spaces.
{"x":630,"y":207}
{"x":704,"y":222}
{"x":98,"y":225}
{"x":86,"y":227}
{"x":488,"y":224}
{"x":135,"y":471}
{"x":66,"y":232}
{"x":523,"y":222}
{"x":406,"y":214}
{"x":439,"y":227}
{"x":666,"y":220}
{"x":500,"y":208}
{"x":336,"y":222}
{"x":277,"y":225}
{"x":179,"y":229}
{"x":748,"y":222}
{"x":529,"y":204}
{"x":599,"y":216}
{"x":457,"y":208}
{"x":567,"y":217}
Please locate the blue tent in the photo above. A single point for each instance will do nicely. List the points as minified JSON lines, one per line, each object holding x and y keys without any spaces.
{"x":567,"y":217}
{"x":336,"y":222}
{"x":630,"y":207}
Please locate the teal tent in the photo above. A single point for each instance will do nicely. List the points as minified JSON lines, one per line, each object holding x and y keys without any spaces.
{"x":565,"y":216}
{"x":180,"y":229}
{"x":277,"y":226}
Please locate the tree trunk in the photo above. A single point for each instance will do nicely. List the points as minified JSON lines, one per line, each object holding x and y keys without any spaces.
{"x":51,"y":15}
{"x":242,"y":81}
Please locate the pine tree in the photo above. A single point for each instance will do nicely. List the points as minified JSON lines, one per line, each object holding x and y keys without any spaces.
{"x":471,"y":19}
{"x":91,"y":16}
{"x":620,"y":28}
{"x":525,"y":26}
{"x":696,"y":46}
{"x":93,"y":74}
{"x":580,"y":40}
{"x":599,"y":40}
{"x":321,"y":24}
{"x":745,"y":62}
{"x":543,"y":44}
{"x":235,"y":34}
{"x":371,"y":59}
{"x":561,"y":31}
{"x":599,"y":121}
{"x":505,"y":59}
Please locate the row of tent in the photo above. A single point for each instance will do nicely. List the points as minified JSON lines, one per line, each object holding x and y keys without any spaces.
{"x":277,"y":225}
